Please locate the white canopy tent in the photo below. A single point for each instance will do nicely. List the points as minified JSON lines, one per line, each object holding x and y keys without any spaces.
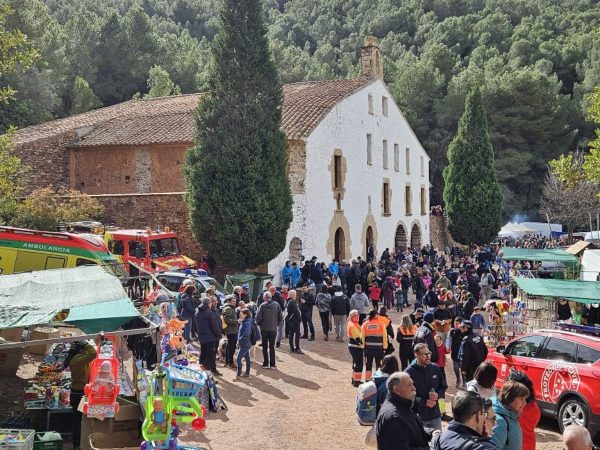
{"x":590,"y":265}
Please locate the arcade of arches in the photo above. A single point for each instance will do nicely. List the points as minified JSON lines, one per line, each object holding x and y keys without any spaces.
{"x":401,"y":236}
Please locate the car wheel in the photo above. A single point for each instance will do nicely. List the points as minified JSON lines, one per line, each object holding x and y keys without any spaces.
{"x":573,"y":412}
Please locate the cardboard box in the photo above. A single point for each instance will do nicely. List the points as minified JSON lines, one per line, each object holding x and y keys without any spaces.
{"x":120,"y":440}
{"x":42,"y":333}
{"x":127,"y":419}
{"x":10,"y":359}
{"x":12,"y":334}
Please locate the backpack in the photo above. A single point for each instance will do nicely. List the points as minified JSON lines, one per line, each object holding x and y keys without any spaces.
{"x":254,"y":333}
{"x":491,"y":280}
{"x":366,"y":403}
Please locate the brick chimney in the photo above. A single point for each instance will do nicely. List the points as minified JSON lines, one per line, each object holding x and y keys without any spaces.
{"x":372,"y":59}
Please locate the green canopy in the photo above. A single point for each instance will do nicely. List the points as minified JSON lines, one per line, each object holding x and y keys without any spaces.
{"x":106,"y":316}
{"x":35,"y":298}
{"x":574,"y":290}
{"x":532,"y":254}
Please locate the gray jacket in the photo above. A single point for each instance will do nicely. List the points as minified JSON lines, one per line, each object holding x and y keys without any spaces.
{"x":269,"y":316}
{"x":360,"y":302}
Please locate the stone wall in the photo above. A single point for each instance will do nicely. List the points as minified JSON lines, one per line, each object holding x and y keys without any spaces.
{"x":440,"y":236}
{"x":47,"y":160}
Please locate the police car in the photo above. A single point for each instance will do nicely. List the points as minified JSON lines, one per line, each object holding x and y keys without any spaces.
{"x":565,"y":370}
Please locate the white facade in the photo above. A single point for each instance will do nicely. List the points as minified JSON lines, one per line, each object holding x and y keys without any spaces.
{"x":343,"y":131}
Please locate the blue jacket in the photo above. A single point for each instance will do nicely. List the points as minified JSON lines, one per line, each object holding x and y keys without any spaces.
{"x":334,"y":268}
{"x":286,"y":274}
{"x":244,"y":333}
{"x":186,"y":307}
{"x":295,"y":276}
{"x":506,"y":434}
{"x":478,"y":321}
{"x":425,"y":379}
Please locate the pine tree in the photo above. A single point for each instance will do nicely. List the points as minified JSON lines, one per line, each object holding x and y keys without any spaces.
{"x":472,"y":195}
{"x":238,"y":192}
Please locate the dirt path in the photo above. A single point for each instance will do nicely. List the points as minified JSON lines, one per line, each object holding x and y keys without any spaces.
{"x":307,"y":403}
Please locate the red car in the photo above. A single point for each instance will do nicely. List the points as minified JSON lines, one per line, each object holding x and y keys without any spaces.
{"x":565,"y":370}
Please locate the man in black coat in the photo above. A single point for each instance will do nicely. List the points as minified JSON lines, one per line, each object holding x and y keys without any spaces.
{"x":397,"y":426}
{"x":340,"y":308}
{"x":473,"y":351}
{"x":307,"y":301}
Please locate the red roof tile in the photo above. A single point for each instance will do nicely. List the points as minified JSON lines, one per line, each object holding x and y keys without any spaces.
{"x":168,"y":120}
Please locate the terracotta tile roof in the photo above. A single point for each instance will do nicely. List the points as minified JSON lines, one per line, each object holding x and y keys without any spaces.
{"x":168,"y":120}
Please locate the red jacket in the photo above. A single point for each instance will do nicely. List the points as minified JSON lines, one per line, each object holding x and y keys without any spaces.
{"x":528,"y":420}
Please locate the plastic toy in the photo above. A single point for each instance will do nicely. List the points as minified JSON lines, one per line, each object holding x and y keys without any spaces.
{"x":156,"y":428}
{"x":102,"y":390}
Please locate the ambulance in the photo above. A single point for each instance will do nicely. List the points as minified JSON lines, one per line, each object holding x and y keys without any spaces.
{"x":23,"y":250}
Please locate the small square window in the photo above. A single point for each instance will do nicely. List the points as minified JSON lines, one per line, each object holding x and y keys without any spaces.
{"x":384,"y":106}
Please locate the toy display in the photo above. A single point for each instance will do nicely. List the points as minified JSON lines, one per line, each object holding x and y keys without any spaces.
{"x":102,"y":390}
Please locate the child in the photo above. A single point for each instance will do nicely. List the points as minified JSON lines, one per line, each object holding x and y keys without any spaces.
{"x":478,"y":321}
{"x":441,"y":362}
{"x":375,"y":295}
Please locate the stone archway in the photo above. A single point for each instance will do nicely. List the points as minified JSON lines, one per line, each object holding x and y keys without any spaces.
{"x":415,"y":236}
{"x":369,"y":235}
{"x":338,"y":222}
{"x":401,"y":237}
{"x":339,"y":246}
{"x":295,"y":249}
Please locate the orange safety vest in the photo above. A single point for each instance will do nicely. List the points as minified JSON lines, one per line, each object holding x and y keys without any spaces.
{"x":374,"y":335}
{"x":353,"y":331}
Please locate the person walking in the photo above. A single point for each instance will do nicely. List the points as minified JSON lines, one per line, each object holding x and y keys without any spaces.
{"x":209,"y":335}
{"x":507,"y":434}
{"x":360,"y":302}
{"x":473,"y":351}
{"x":279,"y":298}
{"x":374,"y":336}
{"x":185,"y":310}
{"x":484,"y":380}
{"x":405,"y":284}
{"x":442,"y":321}
{"x":294,"y":319}
{"x":404,"y":336}
{"x":355,"y":347}
{"x":466,"y":430}
{"x":268,"y":317}
{"x":424,"y":334}
{"x":324,"y":306}
{"x":230,"y":329}
{"x":453,"y":342}
{"x":307,"y":301}
{"x":397,"y":426}
{"x":531,"y":414}
{"x":243,"y":343}
{"x":430,"y":385}
{"x":340,"y":308}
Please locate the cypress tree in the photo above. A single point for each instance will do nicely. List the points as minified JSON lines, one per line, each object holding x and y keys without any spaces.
{"x":238,"y":192}
{"x":472,"y":195}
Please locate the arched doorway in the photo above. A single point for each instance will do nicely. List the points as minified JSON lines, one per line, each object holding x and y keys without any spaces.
{"x":339,"y":251}
{"x":415,"y":236}
{"x":369,"y":241}
{"x":295,"y":250}
{"x":401,"y":239}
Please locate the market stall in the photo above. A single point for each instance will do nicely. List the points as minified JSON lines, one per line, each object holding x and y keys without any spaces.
{"x":96,"y":308}
{"x":555,"y":262}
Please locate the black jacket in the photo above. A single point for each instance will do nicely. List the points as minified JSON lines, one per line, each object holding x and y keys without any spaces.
{"x":398,"y":427}
{"x":459,"y":436}
{"x":455,"y":338}
{"x":425,"y":335}
{"x":309,"y":302}
{"x":425,"y":379}
{"x":206,"y":325}
{"x":293,"y":316}
{"x":340,"y":304}
{"x":473,"y":351}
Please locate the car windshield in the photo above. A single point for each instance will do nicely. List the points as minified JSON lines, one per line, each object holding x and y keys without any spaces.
{"x":207,"y":282}
{"x":172,"y":283}
{"x":164,"y":247}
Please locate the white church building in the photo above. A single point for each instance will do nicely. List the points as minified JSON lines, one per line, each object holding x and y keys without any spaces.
{"x":359,"y":174}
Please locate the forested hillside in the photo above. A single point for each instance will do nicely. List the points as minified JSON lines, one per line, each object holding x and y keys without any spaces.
{"x":534,"y":59}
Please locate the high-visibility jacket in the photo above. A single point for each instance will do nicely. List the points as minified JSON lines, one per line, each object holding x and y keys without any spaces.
{"x":354,"y":331}
{"x":374,"y":335}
